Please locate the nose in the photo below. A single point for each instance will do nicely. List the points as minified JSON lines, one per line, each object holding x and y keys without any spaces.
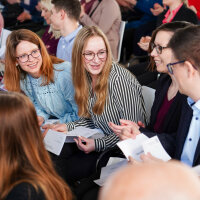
{"x":42,"y":13}
{"x":154,"y":52}
{"x":96,"y":59}
{"x":30,"y":58}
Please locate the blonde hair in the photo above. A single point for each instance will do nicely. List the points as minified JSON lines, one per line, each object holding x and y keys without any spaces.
{"x":14,"y":73}
{"x":80,"y":75}
{"x":48,"y":5}
{"x":185,"y":2}
{"x":23,"y":156}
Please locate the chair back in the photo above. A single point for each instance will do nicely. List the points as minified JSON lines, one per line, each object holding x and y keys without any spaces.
{"x":121,"y":34}
{"x":148,"y":95}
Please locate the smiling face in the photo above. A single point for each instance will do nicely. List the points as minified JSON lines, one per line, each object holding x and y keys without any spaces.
{"x":162,"y":59}
{"x":46,"y":14}
{"x":94,"y":45}
{"x":33,"y":65}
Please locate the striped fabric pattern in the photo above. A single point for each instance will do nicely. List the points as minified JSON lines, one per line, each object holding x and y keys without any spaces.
{"x":125,"y":101}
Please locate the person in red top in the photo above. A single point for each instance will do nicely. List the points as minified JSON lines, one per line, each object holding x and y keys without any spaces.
{"x":195,"y":6}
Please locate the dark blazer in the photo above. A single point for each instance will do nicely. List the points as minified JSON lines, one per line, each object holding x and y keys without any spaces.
{"x":172,"y":118}
{"x":184,"y":14}
{"x":186,"y":117}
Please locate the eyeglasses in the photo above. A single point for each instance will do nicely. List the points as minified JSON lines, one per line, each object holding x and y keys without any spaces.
{"x":158,"y":48}
{"x":170,"y":66}
{"x":90,"y":55}
{"x":25,"y":57}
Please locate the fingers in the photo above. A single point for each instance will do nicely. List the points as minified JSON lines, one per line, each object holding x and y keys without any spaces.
{"x":141,"y":124}
{"x":125,"y":122}
{"x":131,"y":160}
{"x":47,"y":126}
{"x":60,"y":127}
{"x":115,"y":128}
{"x":44,"y":133}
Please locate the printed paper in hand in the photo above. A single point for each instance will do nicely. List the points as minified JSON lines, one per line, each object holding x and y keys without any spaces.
{"x":132,"y":147}
{"x":81,"y":131}
{"x":153,"y":146}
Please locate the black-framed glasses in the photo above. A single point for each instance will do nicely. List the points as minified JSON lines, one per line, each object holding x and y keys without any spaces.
{"x":171,"y":65}
{"x":25,"y":57}
{"x":158,"y":48}
{"x":89,"y":55}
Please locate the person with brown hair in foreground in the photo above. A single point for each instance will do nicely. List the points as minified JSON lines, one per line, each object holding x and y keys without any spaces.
{"x":26,"y":170}
{"x":152,"y":181}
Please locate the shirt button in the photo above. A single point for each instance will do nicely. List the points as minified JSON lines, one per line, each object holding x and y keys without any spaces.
{"x":197,"y":118}
{"x":190,"y":139}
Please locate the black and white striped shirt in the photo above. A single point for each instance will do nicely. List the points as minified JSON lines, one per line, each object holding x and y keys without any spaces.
{"x":125,"y":101}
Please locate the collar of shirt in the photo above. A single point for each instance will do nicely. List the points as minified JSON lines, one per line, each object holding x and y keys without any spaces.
{"x":194,"y":105}
{"x":173,"y":13}
{"x":72,"y":35}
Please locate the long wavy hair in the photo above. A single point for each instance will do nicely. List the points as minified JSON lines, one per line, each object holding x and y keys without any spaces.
{"x":13,"y":72}
{"x":23,"y":156}
{"x":80,"y":75}
{"x":168,"y":27}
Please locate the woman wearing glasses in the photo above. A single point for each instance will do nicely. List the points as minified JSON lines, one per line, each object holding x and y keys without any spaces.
{"x":46,"y":80}
{"x":168,"y":102}
{"x":104,"y":92}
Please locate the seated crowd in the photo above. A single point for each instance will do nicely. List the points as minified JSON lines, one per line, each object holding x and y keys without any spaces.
{"x":65,"y":69}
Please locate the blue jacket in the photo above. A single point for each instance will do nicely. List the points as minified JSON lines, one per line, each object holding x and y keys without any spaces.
{"x":143,"y":6}
{"x":55,"y":99}
{"x":36,"y":15}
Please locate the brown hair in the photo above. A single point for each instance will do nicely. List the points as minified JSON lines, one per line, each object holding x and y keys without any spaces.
{"x":23,"y":156}
{"x":71,"y":7}
{"x":185,"y":45}
{"x":168,"y":27}
{"x":80,"y":75}
{"x":14,"y":73}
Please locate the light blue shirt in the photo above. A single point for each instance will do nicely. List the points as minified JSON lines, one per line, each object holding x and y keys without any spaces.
{"x":65,"y":45}
{"x":192,"y":139}
{"x":55,"y":99}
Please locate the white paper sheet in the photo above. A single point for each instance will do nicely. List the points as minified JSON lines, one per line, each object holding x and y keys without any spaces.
{"x":81,"y":131}
{"x":132,"y":147}
{"x":153,"y":146}
{"x":113,"y":160}
{"x":54,"y":141}
{"x":108,"y":170}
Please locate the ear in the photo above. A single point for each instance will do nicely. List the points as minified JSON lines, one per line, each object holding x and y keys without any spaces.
{"x":62,"y":14}
{"x":191,"y":71}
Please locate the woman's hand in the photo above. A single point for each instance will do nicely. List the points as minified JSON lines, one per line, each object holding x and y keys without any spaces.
{"x":117,"y":129}
{"x":40,"y":120}
{"x":157,"y":9}
{"x":130,"y":132}
{"x":144,"y":43}
{"x":85,"y":144}
{"x":56,"y":127}
{"x":24,"y":16}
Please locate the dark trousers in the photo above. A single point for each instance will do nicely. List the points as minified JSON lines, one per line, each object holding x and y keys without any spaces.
{"x":73,"y":165}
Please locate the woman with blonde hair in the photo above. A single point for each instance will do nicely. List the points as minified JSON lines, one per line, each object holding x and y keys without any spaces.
{"x":26,"y":169}
{"x":50,"y":36}
{"x":45,"y":79}
{"x":104,"y":92}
